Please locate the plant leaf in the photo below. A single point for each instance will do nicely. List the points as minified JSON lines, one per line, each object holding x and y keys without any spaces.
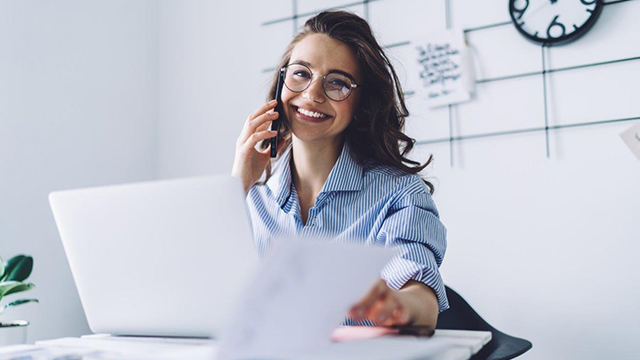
{"x":18,"y":268}
{"x":12,"y":287}
{"x":10,"y":265}
{"x":17,"y":303}
{"x":1,"y":268}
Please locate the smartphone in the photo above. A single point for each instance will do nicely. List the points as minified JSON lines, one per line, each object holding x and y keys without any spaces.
{"x":275,"y":125}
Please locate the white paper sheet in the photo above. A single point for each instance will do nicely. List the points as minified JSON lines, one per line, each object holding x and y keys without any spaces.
{"x":301,"y":294}
{"x":631,"y":137}
{"x":134,"y":348}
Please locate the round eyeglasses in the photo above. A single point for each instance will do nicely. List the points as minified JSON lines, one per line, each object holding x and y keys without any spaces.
{"x":337,"y":86}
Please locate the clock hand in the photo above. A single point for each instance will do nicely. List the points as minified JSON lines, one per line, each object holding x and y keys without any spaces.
{"x":528,"y":15}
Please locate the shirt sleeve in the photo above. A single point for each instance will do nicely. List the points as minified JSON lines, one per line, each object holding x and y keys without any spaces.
{"x":412,"y":224}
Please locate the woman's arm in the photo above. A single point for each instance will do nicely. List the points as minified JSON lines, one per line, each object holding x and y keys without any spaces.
{"x":412,"y":225}
{"x":414,"y":304}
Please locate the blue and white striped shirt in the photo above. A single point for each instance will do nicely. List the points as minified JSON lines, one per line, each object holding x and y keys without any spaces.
{"x":374,"y":205}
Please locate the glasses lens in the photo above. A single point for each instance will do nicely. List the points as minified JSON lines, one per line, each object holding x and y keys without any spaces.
{"x":297,"y":77}
{"x":337,"y":86}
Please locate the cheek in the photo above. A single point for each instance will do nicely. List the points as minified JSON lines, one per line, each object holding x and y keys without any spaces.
{"x":346,"y":110}
{"x":287,"y":96}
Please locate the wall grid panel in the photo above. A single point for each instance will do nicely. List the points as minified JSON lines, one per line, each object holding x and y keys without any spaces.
{"x":542,"y":67}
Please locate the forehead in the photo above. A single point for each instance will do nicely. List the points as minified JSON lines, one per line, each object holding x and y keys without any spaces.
{"x":325,"y":53}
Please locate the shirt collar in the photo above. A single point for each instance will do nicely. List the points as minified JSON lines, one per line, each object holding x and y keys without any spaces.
{"x":346,"y":175}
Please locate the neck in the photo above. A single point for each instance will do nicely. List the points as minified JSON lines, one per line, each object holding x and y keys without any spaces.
{"x":312,"y":163}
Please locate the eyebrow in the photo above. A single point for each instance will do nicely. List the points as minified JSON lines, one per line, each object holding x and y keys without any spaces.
{"x":302,"y":62}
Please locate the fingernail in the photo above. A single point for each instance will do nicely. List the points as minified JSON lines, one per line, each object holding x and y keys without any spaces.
{"x":273,"y":102}
{"x":382,"y":318}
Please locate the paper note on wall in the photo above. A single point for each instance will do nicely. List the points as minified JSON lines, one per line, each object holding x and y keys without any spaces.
{"x":441,"y":68}
{"x":631,"y":137}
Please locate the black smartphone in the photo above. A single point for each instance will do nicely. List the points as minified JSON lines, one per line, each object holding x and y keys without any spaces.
{"x":275,"y":125}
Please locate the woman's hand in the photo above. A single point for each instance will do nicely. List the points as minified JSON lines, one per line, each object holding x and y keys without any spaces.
{"x":414,"y":304}
{"x":249,"y":163}
{"x":382,"y":305}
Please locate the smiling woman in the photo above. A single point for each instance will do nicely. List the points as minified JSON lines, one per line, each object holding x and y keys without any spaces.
{"x":342,"y":170}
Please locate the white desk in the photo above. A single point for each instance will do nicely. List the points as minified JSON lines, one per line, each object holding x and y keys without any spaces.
{"x":444,"y":345}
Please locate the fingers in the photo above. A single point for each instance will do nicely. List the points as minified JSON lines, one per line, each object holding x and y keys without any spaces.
{"x":257,"y":124}
{"x":281,"y":145}
{"x":381,"y":305}
{"x":266,"y":125}
{"x":360,"y":309}
{"x":390,"y":312}
{"x":262,"y":109}
{"x":259,"y":136}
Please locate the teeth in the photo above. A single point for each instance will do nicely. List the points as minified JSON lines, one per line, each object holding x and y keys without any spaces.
{"x":312,"y":113}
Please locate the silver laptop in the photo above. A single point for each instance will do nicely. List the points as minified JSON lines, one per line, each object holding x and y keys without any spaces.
{"x":162,"y":258}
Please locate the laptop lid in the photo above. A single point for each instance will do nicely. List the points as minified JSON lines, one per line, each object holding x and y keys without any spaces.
{"x":161,"y":258}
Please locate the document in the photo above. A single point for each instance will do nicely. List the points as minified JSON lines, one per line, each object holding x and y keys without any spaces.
{"x":301,"y":294}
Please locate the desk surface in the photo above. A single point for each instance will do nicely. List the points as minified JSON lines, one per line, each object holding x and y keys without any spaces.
{"x":443,"y":345}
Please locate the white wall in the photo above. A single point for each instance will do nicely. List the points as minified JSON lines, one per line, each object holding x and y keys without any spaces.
{"x":208,"y":82}
{"x":78,"y":93}
{"x":544,"y":248}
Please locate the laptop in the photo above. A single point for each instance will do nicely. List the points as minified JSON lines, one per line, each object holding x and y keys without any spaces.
{"x":163,"y":258}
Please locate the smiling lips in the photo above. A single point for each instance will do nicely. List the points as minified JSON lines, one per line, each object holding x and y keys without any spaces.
{"x":310,"y":115}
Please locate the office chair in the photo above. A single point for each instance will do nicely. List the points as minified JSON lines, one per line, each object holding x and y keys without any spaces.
{"x":461,"y":316}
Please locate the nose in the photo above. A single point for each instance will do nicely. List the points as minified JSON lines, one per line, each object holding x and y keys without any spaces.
{"x":315,"y":91}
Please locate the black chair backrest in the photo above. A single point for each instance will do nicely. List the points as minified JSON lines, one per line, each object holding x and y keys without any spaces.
{"x":461,"y":316}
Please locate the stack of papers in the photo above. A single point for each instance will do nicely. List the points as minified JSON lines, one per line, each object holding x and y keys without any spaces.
{"x":99,"y":349}
{"x":444,"y":345}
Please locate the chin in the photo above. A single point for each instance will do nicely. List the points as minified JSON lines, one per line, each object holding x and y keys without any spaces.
{"x":312,"y":135}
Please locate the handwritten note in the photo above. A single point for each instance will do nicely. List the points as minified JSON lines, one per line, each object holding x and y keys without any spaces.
{"x":631,"y":137}
{"x":441,"y":67}
{"x":301,"y":294}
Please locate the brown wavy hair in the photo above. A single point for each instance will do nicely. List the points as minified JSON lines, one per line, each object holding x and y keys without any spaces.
{"x":376,"y":131}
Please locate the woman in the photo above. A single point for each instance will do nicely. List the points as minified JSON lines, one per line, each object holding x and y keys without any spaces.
{"x":342,"y":169}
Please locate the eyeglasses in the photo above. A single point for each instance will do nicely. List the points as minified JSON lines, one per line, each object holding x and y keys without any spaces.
{"x":336,"y":86}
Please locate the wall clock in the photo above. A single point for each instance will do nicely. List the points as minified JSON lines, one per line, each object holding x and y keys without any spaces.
{"x":554,"y":22}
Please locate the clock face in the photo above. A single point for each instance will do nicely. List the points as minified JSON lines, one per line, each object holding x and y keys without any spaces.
{"x":553,"y":22}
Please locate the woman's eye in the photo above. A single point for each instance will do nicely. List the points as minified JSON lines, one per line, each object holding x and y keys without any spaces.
{"x":301,"y":73}
{"x":336,"y":82}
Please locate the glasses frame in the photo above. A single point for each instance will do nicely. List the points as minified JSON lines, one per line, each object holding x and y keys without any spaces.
{"x":353,"y":83}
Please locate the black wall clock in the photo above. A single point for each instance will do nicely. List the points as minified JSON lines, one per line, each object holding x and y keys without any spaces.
{"x":554,"y":22}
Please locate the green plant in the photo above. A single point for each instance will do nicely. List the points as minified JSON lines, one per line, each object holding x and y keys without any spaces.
{"x":13,"y":273}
